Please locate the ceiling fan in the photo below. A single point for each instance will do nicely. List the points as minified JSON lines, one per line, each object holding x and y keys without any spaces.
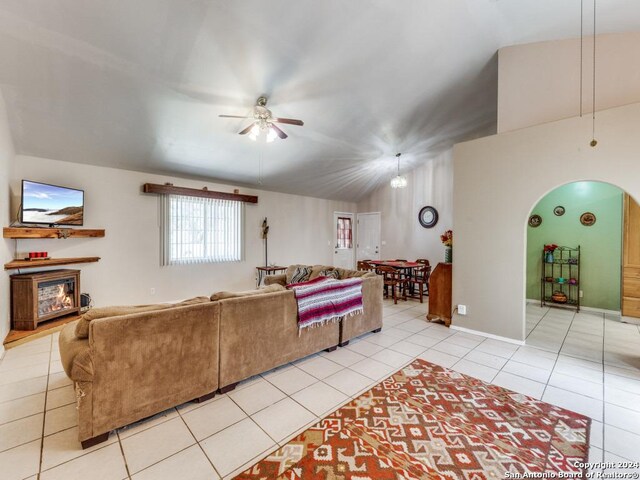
{"x":265,"y":121}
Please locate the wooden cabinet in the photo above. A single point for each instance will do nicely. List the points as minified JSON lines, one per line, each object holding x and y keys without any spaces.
{"x":440,"y":297}
{"x":631,"y":259}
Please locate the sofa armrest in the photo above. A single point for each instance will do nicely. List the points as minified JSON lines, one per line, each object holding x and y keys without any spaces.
{"x":273,"y":279}
{"x":371,"y":318}
{"x":147,"y":362}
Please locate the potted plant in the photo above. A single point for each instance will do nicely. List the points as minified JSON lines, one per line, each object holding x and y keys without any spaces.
{"x":447,"y":240}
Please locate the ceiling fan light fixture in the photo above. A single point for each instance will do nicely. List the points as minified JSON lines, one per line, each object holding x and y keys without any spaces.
{"x":399,"y":181}
{"x":271,"y":135}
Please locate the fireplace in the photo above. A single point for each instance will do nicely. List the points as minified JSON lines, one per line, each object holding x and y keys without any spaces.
{"x":37,"y":297}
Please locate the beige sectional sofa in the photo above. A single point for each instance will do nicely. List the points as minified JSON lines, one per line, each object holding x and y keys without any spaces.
{"x":129,"y":363}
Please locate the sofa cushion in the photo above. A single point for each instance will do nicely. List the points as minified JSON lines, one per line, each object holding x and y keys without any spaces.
{"x":344,"y":273}
{"x":330,"y":272}
{"x":82,"y":327}
{"x":316,"y":269}
{"x":247,"y":293}
{"x":300,"y":274}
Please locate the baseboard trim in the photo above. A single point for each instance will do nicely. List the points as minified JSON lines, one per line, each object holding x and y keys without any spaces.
{"x":601,"y":310}
{"x":587,"y":309}
{"x":631,"y":320}
{"x":487,"y":335}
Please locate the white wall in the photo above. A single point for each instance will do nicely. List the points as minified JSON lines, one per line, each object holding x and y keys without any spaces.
{"x":499,"y":179}
{"x":540,"y":82}
{"x":430,"y":184}
{"x":6,"y":253}
{"x":301,"y":230}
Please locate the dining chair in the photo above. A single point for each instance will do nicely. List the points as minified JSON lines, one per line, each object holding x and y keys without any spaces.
{"x":423,"y":260}
{"x":363,"y":265}
{"x":395,"y":280}
{"x":419,"y":281}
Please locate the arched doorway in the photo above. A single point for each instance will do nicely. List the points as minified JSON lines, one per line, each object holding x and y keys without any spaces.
{"x":571,"y":295}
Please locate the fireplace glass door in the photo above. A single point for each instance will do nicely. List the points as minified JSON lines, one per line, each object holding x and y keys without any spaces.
{"x":55,"y":296}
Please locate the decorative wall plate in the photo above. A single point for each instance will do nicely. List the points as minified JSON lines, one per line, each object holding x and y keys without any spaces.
{"x":558,"y":211}
{"x":535,"y":221}
{"x":587,"y":219}
{"x":428,"y":217}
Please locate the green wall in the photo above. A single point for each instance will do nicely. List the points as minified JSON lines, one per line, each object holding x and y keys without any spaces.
{"x":600,"y":244}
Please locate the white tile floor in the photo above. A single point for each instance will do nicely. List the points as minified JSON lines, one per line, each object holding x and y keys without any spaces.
{"x":586,"y":362}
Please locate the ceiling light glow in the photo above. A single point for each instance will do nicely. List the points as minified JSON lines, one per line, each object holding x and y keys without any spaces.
{"x":399,"y":181}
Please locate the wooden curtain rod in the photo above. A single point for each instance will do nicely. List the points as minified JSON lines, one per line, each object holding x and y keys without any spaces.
{"x":194,"y":192}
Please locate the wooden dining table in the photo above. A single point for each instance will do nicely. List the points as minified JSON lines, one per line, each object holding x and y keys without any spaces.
{"x":405,"y":267}
{"x":395,"y":264}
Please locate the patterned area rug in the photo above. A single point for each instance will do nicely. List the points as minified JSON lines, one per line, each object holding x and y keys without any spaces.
{"x":426,"y":421}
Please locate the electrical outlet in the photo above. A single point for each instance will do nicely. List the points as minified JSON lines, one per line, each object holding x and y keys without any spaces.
{"x":152,"y":291}
{"x":581,"y":293}
{"x":462,"y":309}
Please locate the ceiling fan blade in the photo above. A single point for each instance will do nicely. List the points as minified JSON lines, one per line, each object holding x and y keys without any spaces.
{"x":246,"y":130}
{"x":280,"y":133}
{"x":231,"y":116}
{"x":289,"y":121}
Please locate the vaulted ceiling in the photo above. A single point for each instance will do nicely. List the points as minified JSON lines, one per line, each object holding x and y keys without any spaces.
{"x":139,"y":84}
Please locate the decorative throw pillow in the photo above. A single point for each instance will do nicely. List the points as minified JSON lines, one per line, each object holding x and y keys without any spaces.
{"x":301,"y":274}
{"x":330,"y":273}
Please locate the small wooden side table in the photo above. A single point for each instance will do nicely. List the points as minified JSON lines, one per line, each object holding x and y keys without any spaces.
{"x":264,"y":271}
{"x":440,"y":293}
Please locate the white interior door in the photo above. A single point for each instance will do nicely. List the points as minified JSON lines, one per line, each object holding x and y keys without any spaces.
{"x":343,"y":235}
{"x":368,"y":240}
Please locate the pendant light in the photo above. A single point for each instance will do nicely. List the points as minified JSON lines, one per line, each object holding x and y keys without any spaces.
{"x":593,"y":142}
{"x":399,"y":181}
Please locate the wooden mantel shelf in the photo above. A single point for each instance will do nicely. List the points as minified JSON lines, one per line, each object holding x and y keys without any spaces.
{"x":52,"y":262}
{"x":59,"y":232}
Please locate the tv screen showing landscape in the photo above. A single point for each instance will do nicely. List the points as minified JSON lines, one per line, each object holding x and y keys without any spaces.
{"x":51,"y":205}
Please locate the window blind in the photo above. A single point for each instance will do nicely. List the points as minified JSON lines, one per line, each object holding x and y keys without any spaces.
{"x":202,"y":230}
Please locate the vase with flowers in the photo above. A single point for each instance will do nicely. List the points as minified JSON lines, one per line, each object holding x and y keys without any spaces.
{"x":447,"y":240}
{"x":548,"y":251}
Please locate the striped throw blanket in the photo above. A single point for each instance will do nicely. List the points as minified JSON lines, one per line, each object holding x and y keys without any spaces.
{"x":326,"y":299}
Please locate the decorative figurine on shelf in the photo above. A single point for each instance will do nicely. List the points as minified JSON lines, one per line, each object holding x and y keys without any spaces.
{"x":549,"y":249}
{"x":265,"y":235}
{"x":447,"y":240}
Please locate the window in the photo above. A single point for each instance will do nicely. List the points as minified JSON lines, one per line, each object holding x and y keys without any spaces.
{"x":344,"y":232}
{"x":202,"y":230}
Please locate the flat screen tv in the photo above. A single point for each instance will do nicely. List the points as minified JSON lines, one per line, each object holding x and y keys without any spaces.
{"x":51,"y":204}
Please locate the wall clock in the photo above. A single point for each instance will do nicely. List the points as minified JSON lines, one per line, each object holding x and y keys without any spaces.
{"x":428,"y":217}
{"x":587,"y":219}
{"x":535,"y":221}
